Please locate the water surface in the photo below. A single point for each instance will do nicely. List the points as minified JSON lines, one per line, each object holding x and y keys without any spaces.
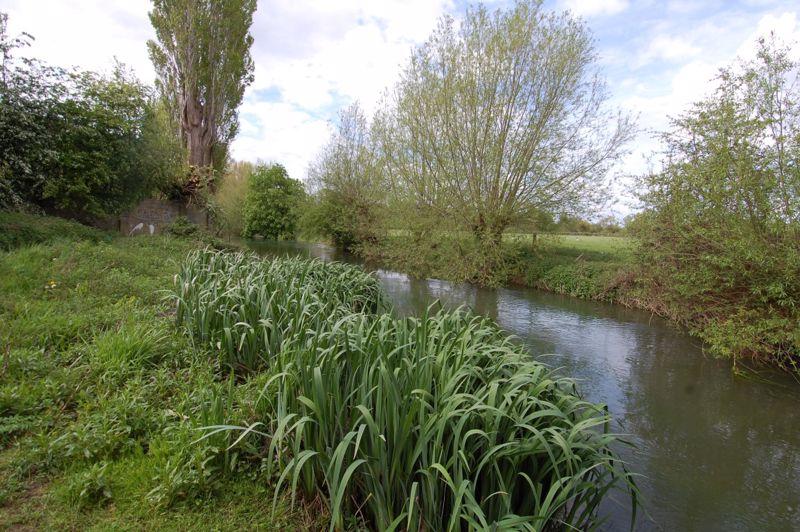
{"x":715,"y":451}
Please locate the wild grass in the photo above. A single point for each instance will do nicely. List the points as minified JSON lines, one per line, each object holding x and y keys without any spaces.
{"x":20,"y":229}
{"x":440,"y":422}
{"x":101,"y":398}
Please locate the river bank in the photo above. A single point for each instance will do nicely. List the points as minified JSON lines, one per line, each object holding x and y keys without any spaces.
{"x":713,"y":451}
{"x":600,"y":268}
{"x":101,"y":395}
{"x":130,"y":362}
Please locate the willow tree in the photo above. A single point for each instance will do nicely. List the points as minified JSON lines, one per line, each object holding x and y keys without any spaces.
{"x":502,"y":116}
{"x":202,"y":57}
{"x":349,"y":183}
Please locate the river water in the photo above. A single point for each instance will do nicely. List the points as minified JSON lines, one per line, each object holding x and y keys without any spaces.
{"x":714,"y":451}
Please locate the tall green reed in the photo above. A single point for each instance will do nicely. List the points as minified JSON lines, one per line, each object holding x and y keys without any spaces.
{"x":248,"y":310}
{"x":438,"y":422}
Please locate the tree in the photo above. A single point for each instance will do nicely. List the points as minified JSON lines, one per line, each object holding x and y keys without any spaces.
{"x":78,"y":142}
{"x":202,"y":57}
{"x":720,"y":234}
{"x":499,"y":117}
{"x":349,"y":182}
{"x":271,"y":204}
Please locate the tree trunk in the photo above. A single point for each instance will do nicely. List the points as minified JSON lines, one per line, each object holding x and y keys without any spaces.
{"x":199,"y":148}
{"x":197,"y":140}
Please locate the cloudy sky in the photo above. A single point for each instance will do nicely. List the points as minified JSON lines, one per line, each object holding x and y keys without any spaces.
{"x":315,"y":56}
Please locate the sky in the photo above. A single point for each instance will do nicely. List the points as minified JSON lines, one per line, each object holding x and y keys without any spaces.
{"x":313,"y":57}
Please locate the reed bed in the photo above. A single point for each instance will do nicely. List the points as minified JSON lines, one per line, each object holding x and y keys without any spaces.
{"x":439,"y":422}
{"x":248,"y":310}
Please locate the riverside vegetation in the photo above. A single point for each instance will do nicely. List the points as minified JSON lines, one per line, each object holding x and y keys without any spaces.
{"x":224,"y":389}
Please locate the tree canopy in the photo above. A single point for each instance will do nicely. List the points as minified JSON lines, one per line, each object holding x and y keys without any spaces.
{"x":202,"y":57}
{"x":499,"y":116}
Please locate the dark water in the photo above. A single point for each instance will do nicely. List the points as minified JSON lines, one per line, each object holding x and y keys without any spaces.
{"x":716,"y":452}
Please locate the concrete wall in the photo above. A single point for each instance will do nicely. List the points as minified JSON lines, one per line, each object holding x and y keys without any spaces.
{"x":152,"y":216}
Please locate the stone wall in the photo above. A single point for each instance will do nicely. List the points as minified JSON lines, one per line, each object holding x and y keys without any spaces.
{"x":152,"y":216}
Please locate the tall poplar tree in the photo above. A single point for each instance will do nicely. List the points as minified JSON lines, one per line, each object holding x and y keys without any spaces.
{"x":202,"y":57}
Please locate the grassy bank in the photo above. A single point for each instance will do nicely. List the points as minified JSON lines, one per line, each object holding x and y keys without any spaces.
{"x":585,"y":266}
{"x":113,"y":417}
{"x":100,"y":395}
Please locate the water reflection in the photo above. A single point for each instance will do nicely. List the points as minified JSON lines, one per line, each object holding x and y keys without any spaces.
{"x":716,"y":452}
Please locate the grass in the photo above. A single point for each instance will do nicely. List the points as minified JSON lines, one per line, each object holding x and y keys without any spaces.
{"x":149,"y":385}
{"x":101,"y":396}
{"x":18,"y":229}
{"x":586,"y":266}
{"x":612,"y":246}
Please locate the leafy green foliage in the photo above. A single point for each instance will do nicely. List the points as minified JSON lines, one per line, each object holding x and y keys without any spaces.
{"x":434,"y":422}
{"x":90,"y":487}
{"x":349,"y":204}
{"x":248,"y":310}
{"x":78,"y":142}
{"x":271,"y":204}
{"x":719,"y":240}
{"x":227,"y":202}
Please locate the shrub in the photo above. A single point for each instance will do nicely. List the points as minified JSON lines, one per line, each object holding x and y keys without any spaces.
{"x":720,"y":240}
{"x":182,"y":227}
{"x":271,"y":204}
{"x":228,"y":201}
{"x":79,"y":141}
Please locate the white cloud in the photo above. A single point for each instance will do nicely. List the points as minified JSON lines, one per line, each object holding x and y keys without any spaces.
{"x":669,"y":48}
{"x":322,"y":55}
{"x":672,"y":91}
{"x":591,"y":8}
{"x":86,"y":33}
{"x":280,"y":132}
{"x":784,"y":27}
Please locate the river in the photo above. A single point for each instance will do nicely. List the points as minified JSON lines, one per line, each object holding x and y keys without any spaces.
{"x":714,"y":451}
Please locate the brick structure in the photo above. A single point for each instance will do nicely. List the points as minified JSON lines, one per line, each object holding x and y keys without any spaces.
{"x":152,"y":216}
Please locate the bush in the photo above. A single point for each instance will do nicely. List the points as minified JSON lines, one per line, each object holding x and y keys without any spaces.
{"x":79,"y":142}
{"x":229,"y":199}
{"x":720,"y":239}
{"x":271,"y":204}
{"x":182,"y":227}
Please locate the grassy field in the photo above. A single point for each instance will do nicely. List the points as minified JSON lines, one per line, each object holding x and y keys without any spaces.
{"x":612,"y":246}
{"x":586,"y":266}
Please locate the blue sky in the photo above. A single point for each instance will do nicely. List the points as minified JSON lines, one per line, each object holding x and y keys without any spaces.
{"x":314,"y":57}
